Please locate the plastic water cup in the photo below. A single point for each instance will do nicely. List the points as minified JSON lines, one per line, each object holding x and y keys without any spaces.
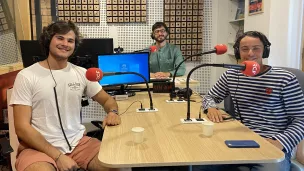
{"x":138,"y":134}
{"x":208,"y":128}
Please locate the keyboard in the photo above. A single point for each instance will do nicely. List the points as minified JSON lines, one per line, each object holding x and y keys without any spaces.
{"x":152,"y":80}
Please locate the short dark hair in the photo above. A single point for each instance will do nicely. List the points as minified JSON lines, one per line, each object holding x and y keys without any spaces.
{"x":254,"y":34}
{"x":160,"y":24}
{"x":58,"y":27}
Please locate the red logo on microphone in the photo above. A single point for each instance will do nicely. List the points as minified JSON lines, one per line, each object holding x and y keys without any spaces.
{"x":268,"y":90}
{"x":98,"y":75}
{"x":255,"y":69}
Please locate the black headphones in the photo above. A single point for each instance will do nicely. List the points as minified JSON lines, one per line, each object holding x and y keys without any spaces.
{"x":182,"y":93}
{"x":157,"y":25}
{"x":255,"y":34}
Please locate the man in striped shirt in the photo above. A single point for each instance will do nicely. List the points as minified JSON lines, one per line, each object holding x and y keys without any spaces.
{"x":270,"y":103}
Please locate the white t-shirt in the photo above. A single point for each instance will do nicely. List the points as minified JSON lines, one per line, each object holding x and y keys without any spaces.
{"x":34,"y":86}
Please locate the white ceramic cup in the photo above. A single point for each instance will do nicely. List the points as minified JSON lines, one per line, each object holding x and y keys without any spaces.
{"x":138,"y":134}
{"x":208,"y":128}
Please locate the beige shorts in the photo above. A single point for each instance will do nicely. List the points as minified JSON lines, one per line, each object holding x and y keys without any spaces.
{"x":83,"y":154}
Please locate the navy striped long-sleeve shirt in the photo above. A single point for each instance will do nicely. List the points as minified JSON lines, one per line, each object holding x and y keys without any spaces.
{"x":271,"y":104}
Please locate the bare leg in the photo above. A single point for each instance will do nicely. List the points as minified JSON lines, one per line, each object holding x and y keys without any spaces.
{"x":95,"y":165}
{"x":38,"y":166}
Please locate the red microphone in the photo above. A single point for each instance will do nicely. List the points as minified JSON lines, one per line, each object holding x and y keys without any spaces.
{"x":94,"y":74}
{"x":251,"y":68}
{"x":220,"y":49}
{"x":153,"y":48}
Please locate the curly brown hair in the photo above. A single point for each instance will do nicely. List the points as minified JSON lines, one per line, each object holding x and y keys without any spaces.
{"x":58,"y":27}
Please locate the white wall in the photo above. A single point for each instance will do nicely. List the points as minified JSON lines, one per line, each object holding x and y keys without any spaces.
{"x":258,"y":22}
{"x":220,"y":18}
{"x":281,"y":22}
{"x":302,"y":50}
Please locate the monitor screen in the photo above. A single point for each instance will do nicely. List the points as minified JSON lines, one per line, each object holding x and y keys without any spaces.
{"x":31,"y":52}
{"x":124,"y":62}
{"x":85,"y":56}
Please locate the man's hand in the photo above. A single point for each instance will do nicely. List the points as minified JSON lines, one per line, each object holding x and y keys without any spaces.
{"x":214,"y":115}
{"x":66,"y":163}
{"x":275,"y":143}
{"x":152,"y":75}
{"x":111,"y":119}
{"x":162,"y":74}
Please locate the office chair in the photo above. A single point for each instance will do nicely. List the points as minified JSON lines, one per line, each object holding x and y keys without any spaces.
{"x":96,"y":133}
{"x":229,"y":108}
{"x":295,"y":165}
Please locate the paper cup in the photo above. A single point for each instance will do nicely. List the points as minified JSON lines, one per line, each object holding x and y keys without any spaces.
{"x":138,"y":134}
{"x":208,"y":128}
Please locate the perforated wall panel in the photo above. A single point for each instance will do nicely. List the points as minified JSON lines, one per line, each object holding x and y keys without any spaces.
{"x":136,"y":36}
{"x":130,"y":36}
{"x":8,"y":48}
{"x":203,"y":74}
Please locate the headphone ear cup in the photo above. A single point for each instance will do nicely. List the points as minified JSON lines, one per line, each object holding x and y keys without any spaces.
{"x":266,"y":52}
{"x":237,"y":53}
{"x":152,"y":36}
{"x":46,"y":43}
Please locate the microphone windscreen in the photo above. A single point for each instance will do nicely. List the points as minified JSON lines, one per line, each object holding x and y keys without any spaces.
{"x":251,"y":68}
{"x":94,"y":74}
{"x":153,"y":49}
{"x":220,"y":49}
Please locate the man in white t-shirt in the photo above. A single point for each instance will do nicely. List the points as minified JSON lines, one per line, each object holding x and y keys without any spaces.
{"x":46,"y":100}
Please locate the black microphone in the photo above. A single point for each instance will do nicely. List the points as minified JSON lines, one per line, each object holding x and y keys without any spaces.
{"x":118,"y":50}
{"x":95,"y":74}
{"x":249,"y":68}
{"x":218,"y":49}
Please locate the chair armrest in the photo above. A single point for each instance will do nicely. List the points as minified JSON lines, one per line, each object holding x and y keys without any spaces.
{"x":98,"y":124}
{"x":296,"y":166}
{"x":5,"y":146}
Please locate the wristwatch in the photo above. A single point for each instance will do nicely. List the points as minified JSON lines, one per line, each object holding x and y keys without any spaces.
{"x":114,"y":111}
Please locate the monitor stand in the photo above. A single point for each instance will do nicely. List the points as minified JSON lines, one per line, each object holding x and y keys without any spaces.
{"x":121,"y":91}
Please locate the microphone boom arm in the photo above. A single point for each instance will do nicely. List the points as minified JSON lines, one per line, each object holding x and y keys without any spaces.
{"x":232,"y":66}
{"x":176,"y":68}
{"x":195,"y":68}
{"x":123,"y":73}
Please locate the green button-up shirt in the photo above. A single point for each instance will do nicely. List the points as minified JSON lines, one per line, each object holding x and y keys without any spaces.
{"x":166,"y":59}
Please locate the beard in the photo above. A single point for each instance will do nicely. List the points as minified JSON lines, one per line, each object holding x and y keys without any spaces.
{"x":161,"y":40}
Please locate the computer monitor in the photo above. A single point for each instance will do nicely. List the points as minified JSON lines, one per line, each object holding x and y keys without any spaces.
{"x":85,"y":56}
{"x":124,"y":62}
{"x":31,"y":52}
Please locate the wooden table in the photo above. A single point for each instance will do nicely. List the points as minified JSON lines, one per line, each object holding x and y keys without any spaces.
{"x":167,"y":142}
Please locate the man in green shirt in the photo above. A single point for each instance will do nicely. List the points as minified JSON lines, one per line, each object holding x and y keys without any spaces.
{"x":167,"y":56}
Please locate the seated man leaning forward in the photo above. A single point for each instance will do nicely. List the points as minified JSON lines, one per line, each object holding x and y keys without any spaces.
{"x":270,"y":103}
{"x":46,"y":101}
{"x":167,"y":56}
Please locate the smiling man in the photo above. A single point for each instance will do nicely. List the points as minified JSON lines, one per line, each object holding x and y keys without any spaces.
{"x":46,"y":100}
{"x":167,"y":56}
{"x":270,"y":103}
